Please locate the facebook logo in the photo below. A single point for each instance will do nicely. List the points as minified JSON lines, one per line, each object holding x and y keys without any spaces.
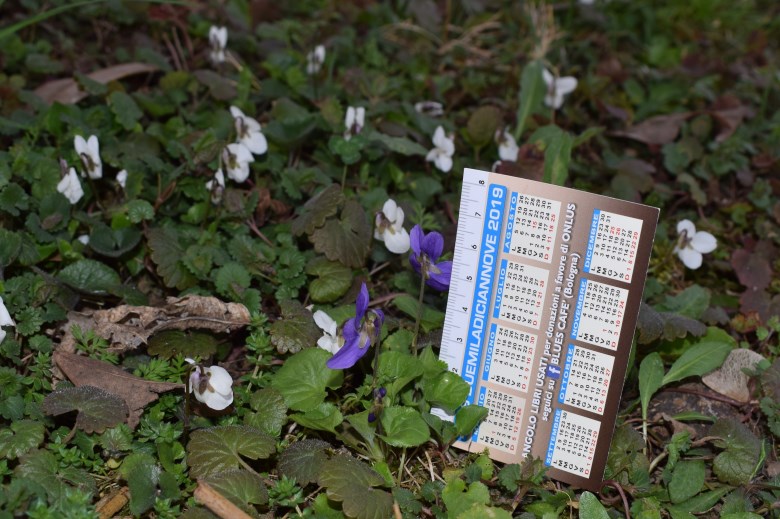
{"x":553,"y":372}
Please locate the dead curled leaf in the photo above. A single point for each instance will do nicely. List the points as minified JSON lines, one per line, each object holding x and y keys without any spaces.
{"x":67,"y":90}
{"x":729,"y":379}
{"x":127,"y":327}
{"x":658,"y":130}
{"x":136,"y":392}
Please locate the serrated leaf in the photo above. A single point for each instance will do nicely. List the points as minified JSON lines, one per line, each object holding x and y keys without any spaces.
{"x":346,"y":239}
{"x":395,"y":370}
{"x":653,"y":325}
{"x":20,"y":438}
{"x":347,"y":150}
{"x":333,"y":280}
{"x":125,"y":109}
{"x":468,"y":417}
{"x":166,"y":252}
{"x":97,"y":409}
{"x":10,"y":247}
{"x":482,"y":125}
{"x":117,"y":439}
{"x":447,"y":391}
{"x":707,"y":354}
{"x":169,"y":343}
{"x":691,"y":302}
{"x":318,"y":209}
{"x":232,"y":279}
{"x":687,"y":480}
{"x":241,"y":487}
{"x":432,"y":319}
{"x":270,"y":411}
{"x":591,"y":507}
{"x":303,"y":460}
{"x":404,"y":427}
{"x":484,"y":512}
{"x":459,"y":499}
{"x":295,"y":330}
{"x":352,"y":483}
{"x":139,"y":210}
{"x":741,"y":458}
{"x":651,"y":374}
{"x":400,"y":145}
{"x":218,"y":449}
{"x":304,"y":377}
{"x":324,"y":417}
{"x":90,"y":276}
{"x":254,"y":255}
{"x":532,"y":89}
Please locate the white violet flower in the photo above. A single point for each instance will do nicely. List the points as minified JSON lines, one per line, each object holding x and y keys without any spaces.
{"x":557,"y":88}
{"x":70,"y":186}
{"x":236,"y":158}
{"x":83,"y":239}
{"x":444,"y":149}
{"x":5,"y":320}
{"x":212,"y":386}
{"x":218,"y":40}
{"x":691,"y":244}
{"x":330,"y":340}
{"x":89,"y":152}
{"x":121,"y":178}
{"x":389,"y":228}
{"x":216,"y":190}
{"x":507,"y":146}
{"x":431,"y":108}
{"x":315,"y":59}
{"x":249,"y":132}
{"x":354,"y":121}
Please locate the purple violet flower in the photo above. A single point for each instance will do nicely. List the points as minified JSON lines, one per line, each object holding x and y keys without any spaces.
{"x":358,"y":332}
{"x":426,"y":249}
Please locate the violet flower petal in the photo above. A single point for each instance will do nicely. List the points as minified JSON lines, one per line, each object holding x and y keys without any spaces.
{"x":432,"y":245}
{"x":361,"y":304}
{"x":441,"y":280}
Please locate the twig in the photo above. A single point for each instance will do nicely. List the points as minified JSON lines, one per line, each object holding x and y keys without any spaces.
{"x":215,"y":502}
{"x":397,"y":511}
{"x":112,"y":503}
{"x":617,"y":486}
{"x":259,"y":233}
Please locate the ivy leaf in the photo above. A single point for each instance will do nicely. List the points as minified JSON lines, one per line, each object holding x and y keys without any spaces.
{"x":468,"y":417}
{"x":296,"y":329}
{"x":166,"y":254}
{"x":97,"y":409}
{"x":432,"y":319}
{"x":707,"y":354}
{"x":270,"y":411}
{"x":125,"y":109}
{"x":448,"y":391}
{"x":169,"y":343}
{"x":333,"y":280}
{"x":346,"y":239}
{"x":241,"y":487}
{"x":687,"y":480}
{"x":303,"y":378}
{"x":591,"y":507}
{"x":304,"y":460}
{"x":324,"y":417}
{"x":90,"y":276}
{"x":20,"y":438}
{"x":404,"y":427}
{"x":318,"y":209}
{"x":352,"y":483}
{"x":218,"y":449}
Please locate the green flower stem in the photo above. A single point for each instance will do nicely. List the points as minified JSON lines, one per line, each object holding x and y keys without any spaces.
{"x":343,"y":178}
{"x":423,"y":273}
{"x":187,"y":408}
{"x":401,"y":467}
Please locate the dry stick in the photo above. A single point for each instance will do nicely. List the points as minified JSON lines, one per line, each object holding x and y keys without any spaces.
{"x":617,"y":486}
{"x":112,"y":503}
{"x":218,"y":504}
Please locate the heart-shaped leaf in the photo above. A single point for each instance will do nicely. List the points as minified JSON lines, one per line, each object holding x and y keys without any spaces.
{"x":296,"y":329}
{"x":352,"y":482}
{"x":447,"y":390}
{"x":90,"y":276}
{"x":303,"y":460}
{"x":97,"y":409}
{"x":333,"y":280}
{"x":303,"y":379}
{"x":404,"y":427}
{"x":324,"y":417}
{"x":169,"y":343}
{"x":270,"y":411}
{"x":241,"y":487}
{"x":346,"y":239}
{"x":218,"y":449}
{"x":318,"y":209}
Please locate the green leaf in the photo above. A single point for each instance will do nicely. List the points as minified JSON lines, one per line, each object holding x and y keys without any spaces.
{"x":557,"y":153}
{"x":42,"y":468}
{"x":591,"y":507}
{"x":141,"y":472}
{"x":90,"y":276}
{"x":653,"y":325}
{"x":400,"y":145}
{"x":324,"y":417}
{"x":20,"y":438}
{"x":270,"y":411}
{"x":290,"y":123}
{"x":651,"y":374}
{"x":296,"y":329}
{"x":458,"y":499}
{"x":113,"y":243}
{"x":241,"y":487}
{"x":346,"y":239}
{"x":333,"y":280}
{"x":125,"y":109}
{"x":404,"y":427}
{"x":691,"y":302}
{"x":352,"y":483}
{"x":532,"y":90}
{"x":169,"y":343}
{"x":482,"y":125}
{"x":220,"y":87}
{"x":347,"y":150}
{"x":139,"y":210}
{"x":318,"y":209}
{"x":707,"y":354}
{"x":448,"y":391}
{"x":396,"y":370}
{"x":702,"y":502}
{"x":742,"y":457}
{"x":218,"y":449}
{"x":166,"y":254}
{"x":431,"y":319}
{"x":484,"y":512}
{"x":468,"y":417}
{"x":97,"y":409}
{"x":231,"y":279}
{"x":303,"y":460}
{"x":303,"y":378}
{"x":10,"y":247}
{"x":687,"y":480}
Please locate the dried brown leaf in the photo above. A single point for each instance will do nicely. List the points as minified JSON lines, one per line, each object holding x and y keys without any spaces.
{"x":136,"y":392}
{"x":729,"y":112}
{"x":658,"y":130}
{"x":67,"y":90}
{"x":729,"y":379}
{"x":127,"y":327}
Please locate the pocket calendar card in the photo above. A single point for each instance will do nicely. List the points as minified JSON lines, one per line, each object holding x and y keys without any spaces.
{"x":545,"y":291}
